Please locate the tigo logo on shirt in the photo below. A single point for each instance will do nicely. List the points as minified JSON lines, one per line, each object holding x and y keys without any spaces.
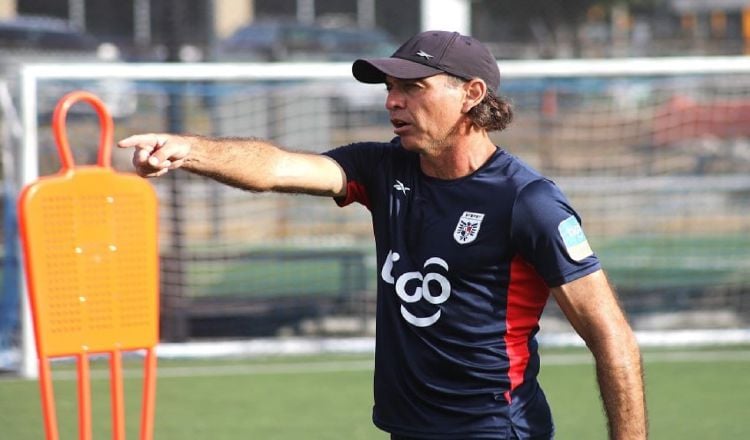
{"x":412,"y":287}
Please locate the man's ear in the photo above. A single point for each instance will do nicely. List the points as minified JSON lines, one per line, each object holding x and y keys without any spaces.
{"x":476,"y":90}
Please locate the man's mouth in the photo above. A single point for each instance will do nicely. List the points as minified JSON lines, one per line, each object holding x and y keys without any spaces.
{"x":399,"y":125}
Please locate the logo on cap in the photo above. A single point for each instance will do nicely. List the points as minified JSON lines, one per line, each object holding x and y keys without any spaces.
{"x":424,"y":55}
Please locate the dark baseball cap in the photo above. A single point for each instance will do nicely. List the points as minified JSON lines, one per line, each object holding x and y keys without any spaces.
{"x":430,"y":53}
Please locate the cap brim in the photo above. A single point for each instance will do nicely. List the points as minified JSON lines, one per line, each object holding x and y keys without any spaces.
{"x":374,"y":71}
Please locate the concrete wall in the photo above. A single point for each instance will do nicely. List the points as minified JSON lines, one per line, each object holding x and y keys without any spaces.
{"x":7,"y":9}
{"x":231,"y":14}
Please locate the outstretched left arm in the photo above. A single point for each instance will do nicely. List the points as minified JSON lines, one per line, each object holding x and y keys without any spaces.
{"x":591,"y":306}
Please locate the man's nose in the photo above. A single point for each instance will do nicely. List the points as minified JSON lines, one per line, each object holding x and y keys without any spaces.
{"x":394,"y":99}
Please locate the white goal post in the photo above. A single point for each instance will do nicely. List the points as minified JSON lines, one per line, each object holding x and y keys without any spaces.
{"x":30,"y":74}
{"x":33,"y":76}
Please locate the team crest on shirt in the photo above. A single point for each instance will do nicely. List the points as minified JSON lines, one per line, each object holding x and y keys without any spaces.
{"x":468,"y":227}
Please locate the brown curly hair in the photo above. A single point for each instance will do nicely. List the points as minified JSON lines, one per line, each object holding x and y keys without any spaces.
{"x":493,"y":113}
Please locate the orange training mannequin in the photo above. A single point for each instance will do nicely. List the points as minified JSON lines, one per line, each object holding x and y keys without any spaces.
{"x":89,"y":236}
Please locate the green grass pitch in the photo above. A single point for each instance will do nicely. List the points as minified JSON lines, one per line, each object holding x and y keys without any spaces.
{"x":697,"y":394}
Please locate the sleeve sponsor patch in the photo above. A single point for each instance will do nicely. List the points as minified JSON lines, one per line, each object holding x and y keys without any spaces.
{"x":575,"y":240}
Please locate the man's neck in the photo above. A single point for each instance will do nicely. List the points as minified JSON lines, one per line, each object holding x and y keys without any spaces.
{"x":463,"y":157}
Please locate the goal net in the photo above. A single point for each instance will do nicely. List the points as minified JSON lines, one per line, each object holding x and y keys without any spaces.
{"x":654,"y":154}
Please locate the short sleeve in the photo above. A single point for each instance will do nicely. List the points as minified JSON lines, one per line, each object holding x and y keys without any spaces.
{"x":547,"y":232}
{"x":360,"y":161}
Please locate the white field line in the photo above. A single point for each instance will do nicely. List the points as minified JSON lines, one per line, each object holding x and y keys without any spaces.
{"x":166,"y":371}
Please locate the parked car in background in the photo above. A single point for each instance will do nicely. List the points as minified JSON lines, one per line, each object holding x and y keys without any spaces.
{"x":293,"y":41}
{"x":29,"y":33}
{"x":36,"y":39}
{"x":49,"y":37}
{"x":348,"y":44}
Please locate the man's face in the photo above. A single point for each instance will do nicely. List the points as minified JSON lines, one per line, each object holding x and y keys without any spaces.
{"x":425,"y":112}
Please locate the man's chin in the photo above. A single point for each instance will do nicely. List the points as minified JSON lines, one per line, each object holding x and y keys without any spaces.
{"x":410,"y":144}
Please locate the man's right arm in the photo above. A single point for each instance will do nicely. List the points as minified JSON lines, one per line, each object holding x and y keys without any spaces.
{"x":246,"y":163}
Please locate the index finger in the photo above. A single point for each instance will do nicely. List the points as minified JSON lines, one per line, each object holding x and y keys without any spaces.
{"x":148,"y":142}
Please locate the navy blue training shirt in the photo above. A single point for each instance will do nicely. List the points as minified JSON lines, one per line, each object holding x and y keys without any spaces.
{"x":464,"y":271}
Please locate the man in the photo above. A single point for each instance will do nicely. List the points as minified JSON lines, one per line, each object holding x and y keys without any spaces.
{"x":470,"y":241}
